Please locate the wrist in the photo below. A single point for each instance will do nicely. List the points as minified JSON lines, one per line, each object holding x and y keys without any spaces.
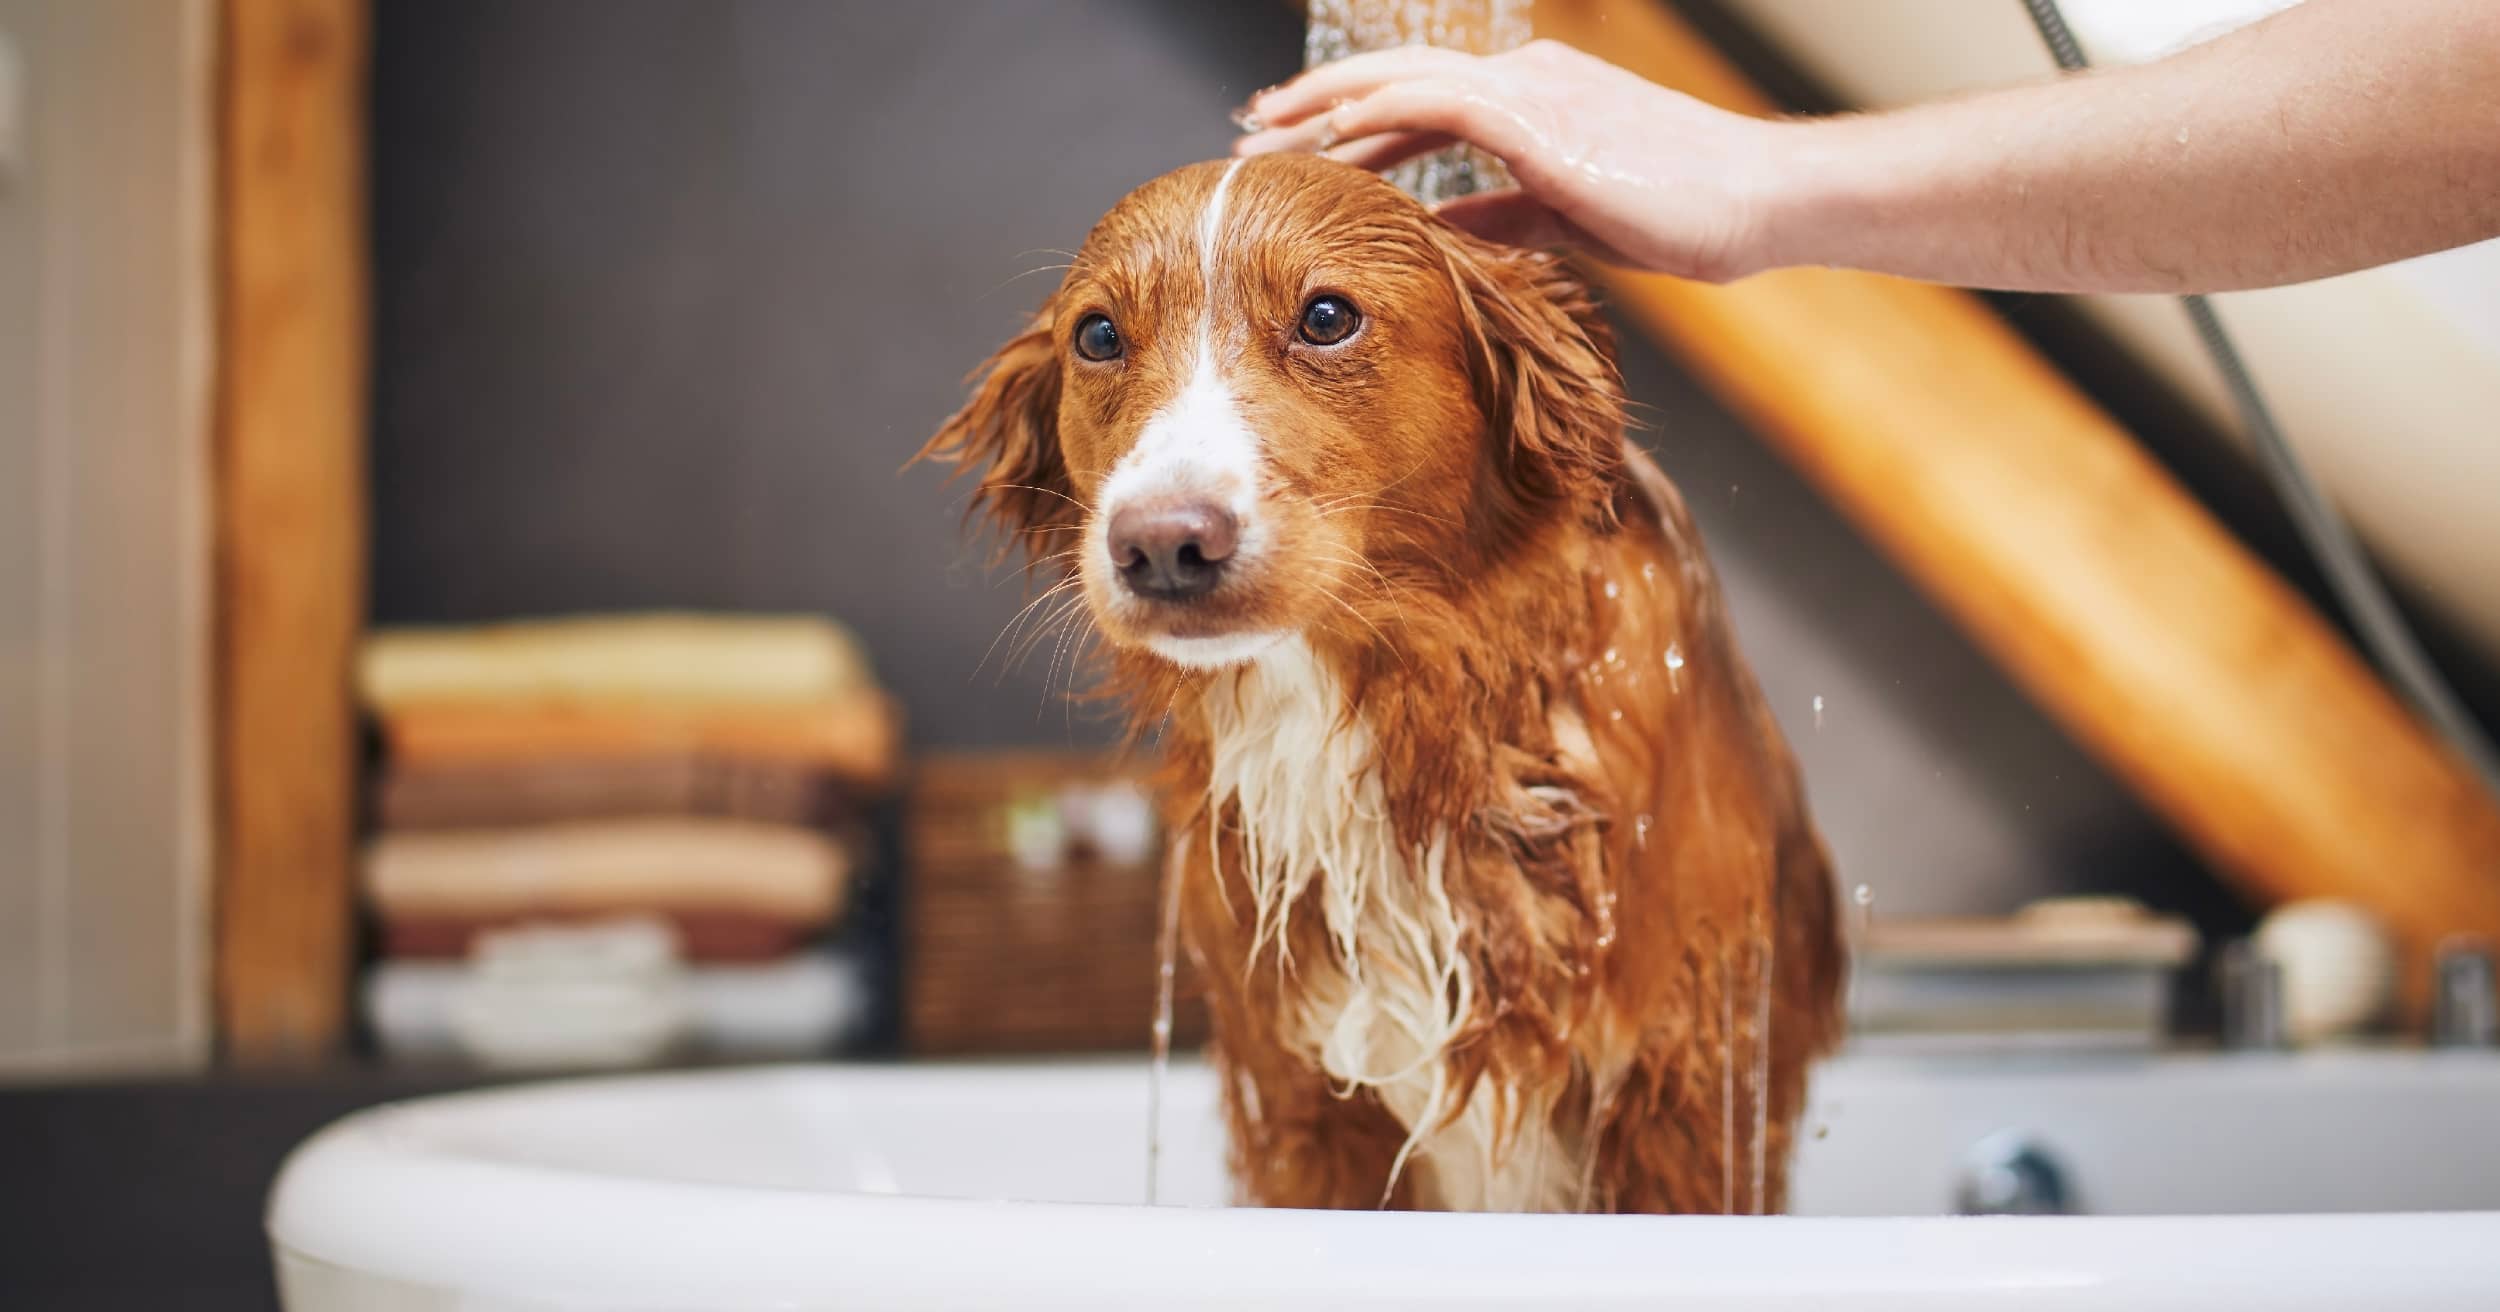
{"x":1823,"y":192}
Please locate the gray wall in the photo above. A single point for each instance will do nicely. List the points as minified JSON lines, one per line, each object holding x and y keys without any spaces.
{"x":669,"y":289}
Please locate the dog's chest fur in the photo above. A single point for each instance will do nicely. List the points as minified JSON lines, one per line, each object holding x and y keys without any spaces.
{"x":1297,"y":770}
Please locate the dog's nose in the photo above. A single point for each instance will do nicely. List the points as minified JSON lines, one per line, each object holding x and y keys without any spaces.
{"x":1171,"y":550}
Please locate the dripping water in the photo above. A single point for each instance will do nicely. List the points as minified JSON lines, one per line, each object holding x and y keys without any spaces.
{"x":1167,"y":952}
{"x":1761,"y":1052}
{"x":1727,"y":1082}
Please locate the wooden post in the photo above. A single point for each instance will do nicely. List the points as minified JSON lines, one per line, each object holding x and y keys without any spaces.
{"x":289,"y":516}
{"x":2159,"y":641}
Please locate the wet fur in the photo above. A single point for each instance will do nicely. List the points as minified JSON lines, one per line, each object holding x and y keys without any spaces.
{"x":1556,"y":767}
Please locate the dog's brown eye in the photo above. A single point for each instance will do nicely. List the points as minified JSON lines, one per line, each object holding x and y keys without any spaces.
{"x":1096,"y":339}
{"x":1328,"y":320}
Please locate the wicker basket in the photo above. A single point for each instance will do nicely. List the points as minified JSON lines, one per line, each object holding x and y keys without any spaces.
{"x":1004,"y":953}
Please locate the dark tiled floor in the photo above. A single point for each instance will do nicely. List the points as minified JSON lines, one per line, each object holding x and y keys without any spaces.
{"x":148,"y":1196}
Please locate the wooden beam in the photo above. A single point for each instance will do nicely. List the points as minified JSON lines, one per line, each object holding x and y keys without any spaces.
{"x":2159,"y":641}
{"x":289,"y":516}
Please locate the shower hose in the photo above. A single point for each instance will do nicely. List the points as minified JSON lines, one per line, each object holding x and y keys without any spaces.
{"x":2330,"y":541}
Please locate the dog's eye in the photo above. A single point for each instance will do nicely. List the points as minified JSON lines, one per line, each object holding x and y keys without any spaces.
{"x":1328,"y":320}
{"x":1096,"y":339}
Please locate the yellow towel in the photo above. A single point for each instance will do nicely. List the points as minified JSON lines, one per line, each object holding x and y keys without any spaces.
{"x":858,"y":739}
{"x":660,"y":866}
{"x":661,"y":658}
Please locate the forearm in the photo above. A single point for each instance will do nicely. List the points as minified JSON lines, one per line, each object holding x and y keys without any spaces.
{"x":2334,"y":136}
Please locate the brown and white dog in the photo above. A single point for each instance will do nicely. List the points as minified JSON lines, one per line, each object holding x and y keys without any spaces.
{"x":1492,"y":860}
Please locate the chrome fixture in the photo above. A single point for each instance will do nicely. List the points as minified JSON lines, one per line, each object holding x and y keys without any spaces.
{"x":2465,"y":1008}
{"x":2251,"y":985}
{"x":2010,"y":1173}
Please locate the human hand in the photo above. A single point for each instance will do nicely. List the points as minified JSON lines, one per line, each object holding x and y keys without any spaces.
{"x":1606,"y":161}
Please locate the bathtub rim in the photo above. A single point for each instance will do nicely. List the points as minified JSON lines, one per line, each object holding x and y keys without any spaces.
{"x":369,"y":1195}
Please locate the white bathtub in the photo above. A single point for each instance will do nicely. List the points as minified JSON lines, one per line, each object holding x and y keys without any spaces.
{"x":882,"y":1187}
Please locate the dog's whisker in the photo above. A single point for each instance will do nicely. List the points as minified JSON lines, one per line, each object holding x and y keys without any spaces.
{"x":1080,"y":651}
{"x":1003,"y":284}
{"x":1051,"y":673}
{"x":1041,"y":631}
{"x":1350,"y":609}
{"x":1031,"y":487}
{"x":1172,"y":699}
{"x":1009,"y":627}
{"x":1036,"y":565}
{"x":1357,"y":562}
{"x":1056,"y":628}
{"x":1389,"y":590}
{"x":1383,"y":490}
{"x":1341,"y":507}
{"x":1070,"y":648}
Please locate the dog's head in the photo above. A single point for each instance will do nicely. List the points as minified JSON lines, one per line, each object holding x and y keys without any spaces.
{"x":1262,"y":381}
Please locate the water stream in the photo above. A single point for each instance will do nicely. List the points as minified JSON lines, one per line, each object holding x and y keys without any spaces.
{"x":1347,"y":27}
{"x":1167,"y":962}
{"x":1762,"y":946}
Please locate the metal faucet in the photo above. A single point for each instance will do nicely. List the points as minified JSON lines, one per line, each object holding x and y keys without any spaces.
{"x":2465,"y":1008}
{"x":2251,"y":985}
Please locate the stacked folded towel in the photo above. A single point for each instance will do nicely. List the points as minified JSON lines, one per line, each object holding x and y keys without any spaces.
{"x":697,"y":779}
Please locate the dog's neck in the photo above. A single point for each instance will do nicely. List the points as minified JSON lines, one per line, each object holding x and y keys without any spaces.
{"x":1346,"y":779}
{"x":1381,"y":985}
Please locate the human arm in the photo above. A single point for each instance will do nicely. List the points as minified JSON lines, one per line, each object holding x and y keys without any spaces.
{"x":2334,"y":136}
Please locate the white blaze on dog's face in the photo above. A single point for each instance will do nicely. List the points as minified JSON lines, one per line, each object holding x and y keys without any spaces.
{"x":1273,"y":394}
{"x":1180,"y":509}
{"x":1260,"y":368}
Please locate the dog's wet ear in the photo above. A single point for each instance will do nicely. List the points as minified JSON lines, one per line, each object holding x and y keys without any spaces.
{"x":1007,"y":436}
{"x":1542,"y":359}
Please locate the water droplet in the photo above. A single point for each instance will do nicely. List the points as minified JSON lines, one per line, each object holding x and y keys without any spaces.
{"x":1818,"y":713}
{"x":1612,"y":658}
{"x":2182,"y":137}
{"x":1640,"y":832}
{"x":1649,"y":574}
{"x":1864,"y":895}
{"x":1675,"y":668}
{"x":1613,"y":589}
{"x":1616,"y":716}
